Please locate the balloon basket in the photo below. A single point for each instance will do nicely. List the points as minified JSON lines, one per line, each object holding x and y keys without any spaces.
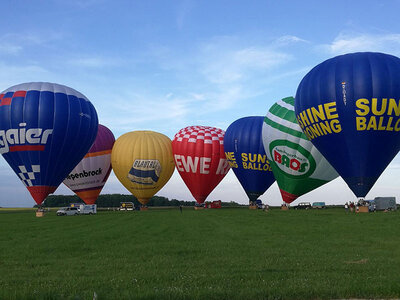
{"x":252,"y":206}
{"x":284,"y":207}
{"x":363,"y":209}
{"x":40,"y":214}
{"x":144,"y":208}
{"x":198,"y":207}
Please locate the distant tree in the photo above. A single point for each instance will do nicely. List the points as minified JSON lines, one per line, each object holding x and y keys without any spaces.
{"x":61,"y":200}
{"x":114,"y":200}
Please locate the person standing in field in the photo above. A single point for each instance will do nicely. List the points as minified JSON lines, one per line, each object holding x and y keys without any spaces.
{"x":180,"y":208}
{"x":346,"y":206}
{"x":351,"y":206}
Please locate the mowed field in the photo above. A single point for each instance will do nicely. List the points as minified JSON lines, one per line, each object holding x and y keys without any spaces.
{"x":210,"y":254}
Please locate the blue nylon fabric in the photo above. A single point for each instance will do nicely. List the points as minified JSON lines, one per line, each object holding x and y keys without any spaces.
{"x":245,"y":136}
{"x":73,"y":121}
{"x":358,"y":156}
{"x":144,"y":174}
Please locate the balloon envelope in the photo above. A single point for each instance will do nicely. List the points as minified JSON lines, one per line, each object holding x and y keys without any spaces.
{"x":297,"y":165}
{"x":91,"y":173}
{"x":45,"y":130}
{"x":143,"y":162}
{"x":349,"y":107}
{"x":245,"y":152}
{"x":200,"y":159}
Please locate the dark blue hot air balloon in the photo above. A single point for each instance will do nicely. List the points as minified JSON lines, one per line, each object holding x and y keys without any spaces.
{"x":349,"y":107}
{"x":45,"y":130}
{"x":244,"y":149}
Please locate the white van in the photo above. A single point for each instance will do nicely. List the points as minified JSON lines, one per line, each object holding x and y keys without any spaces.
{"x":68,"y":211}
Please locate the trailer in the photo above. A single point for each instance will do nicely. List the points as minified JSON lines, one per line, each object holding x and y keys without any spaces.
{"x":384,"y":203}
{"x":318,"y":205}
{"x":126,"y":206}
{"x":90,"y":209}
{"x":214,"y":204}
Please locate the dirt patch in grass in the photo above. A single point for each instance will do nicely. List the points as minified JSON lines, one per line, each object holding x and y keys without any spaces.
{"x":357,"y":262}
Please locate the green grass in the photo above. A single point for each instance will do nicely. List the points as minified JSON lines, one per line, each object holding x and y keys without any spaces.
{"x":210,"y":254}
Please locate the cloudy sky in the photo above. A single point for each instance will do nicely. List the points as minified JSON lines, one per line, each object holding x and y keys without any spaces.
{"x":165,"y":65}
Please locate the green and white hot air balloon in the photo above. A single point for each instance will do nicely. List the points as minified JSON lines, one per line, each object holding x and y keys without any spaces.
{"x":297,"y":165}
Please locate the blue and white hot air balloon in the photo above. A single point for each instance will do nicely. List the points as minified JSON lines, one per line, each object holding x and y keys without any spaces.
{"x":45,"y":130}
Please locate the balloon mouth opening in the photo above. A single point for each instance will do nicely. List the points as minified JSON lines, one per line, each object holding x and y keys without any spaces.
{"x":90,"y":201}
{"x":200,"y":200}
{"x":39,"y":193}
{"x":288,"y":197}
{"x":89,"y":196}
{"x":143,"y":201}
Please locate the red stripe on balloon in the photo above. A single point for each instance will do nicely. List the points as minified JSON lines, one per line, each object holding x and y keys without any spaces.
{"x":5,"y":101}
{"x":288,"y":197}
{"x":27,"y":148}
{"x":19,"y":94}
{"x":94,"y":154}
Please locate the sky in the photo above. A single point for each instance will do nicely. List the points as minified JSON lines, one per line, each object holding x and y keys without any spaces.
{"x":165,"y":65}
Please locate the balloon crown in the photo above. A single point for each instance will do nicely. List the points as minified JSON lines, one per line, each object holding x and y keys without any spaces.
{"x":206,"y":133}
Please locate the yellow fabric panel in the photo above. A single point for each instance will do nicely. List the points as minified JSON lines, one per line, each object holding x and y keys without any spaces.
{"x":143,"y":162}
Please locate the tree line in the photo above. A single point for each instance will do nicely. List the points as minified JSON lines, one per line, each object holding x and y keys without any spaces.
{"x":114,"y":200}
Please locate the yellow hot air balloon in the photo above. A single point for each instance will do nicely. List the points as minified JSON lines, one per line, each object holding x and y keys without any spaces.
{"x":143,"y":162}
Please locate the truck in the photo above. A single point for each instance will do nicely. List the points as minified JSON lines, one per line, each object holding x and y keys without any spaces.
{"x":213,"y":204}
{"x":382,"y":203}
{"x":90,"y":209}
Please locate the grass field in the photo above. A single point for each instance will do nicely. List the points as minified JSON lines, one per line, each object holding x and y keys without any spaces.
{"x":210,"y":254}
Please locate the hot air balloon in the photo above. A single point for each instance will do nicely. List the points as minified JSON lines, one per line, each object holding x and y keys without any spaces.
{"x":349,"y":107}
{"x":200,"y":159}
{"x":245,"y":152}
{"x":45,"y":130}
{"x":143,"y":162}
{"x":297,"y":165}
{"x":91,"y":173}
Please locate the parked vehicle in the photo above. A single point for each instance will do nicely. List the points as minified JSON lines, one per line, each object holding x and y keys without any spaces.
{"x":213,"y":204}
{"x":126,"y":206}
{"x":382,"y":203}
{"x":90,"y":209}
{"x":318,"y":205}
{"x":303,"y":205}
{"x":68,"y":211}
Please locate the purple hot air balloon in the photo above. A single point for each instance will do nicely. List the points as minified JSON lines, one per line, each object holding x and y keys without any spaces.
{"x":89,"y":176}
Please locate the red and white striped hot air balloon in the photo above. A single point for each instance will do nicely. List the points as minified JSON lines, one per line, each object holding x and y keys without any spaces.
{"x":200,"y":159}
